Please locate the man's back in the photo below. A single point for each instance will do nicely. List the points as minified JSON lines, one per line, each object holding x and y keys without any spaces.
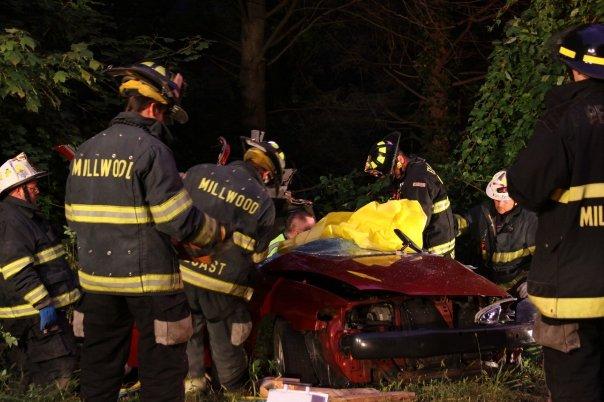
{"x":564,"y":183}
{"x":125,"y":199}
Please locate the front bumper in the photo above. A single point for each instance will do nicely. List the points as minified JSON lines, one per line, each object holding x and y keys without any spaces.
{"x":436,"y":342}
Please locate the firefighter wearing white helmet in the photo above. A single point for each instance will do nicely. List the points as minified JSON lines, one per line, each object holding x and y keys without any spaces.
{"x":560,"y":175}
{"x":219,"y":286}
{"x":499,"y":237}
{"x":36,"y":283}
{"x":126,"y":201}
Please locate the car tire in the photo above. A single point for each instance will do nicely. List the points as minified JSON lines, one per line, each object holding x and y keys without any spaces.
{"x":291,"y":354}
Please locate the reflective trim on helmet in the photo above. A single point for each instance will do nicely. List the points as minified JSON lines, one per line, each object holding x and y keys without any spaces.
{"x":567,"y":52}
{"x":137,"y":284}
{"x":209,"y":283}
{"x":142,"y":88}
{"x":593,"y":59}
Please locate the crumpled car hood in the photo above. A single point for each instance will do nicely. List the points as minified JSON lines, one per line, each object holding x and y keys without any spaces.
{"x":410,"y":274}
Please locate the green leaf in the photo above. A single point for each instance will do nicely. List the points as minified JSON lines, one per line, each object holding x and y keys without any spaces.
{"x":59,"y":77}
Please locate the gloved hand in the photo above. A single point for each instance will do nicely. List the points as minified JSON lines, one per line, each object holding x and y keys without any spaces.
{"x":48,"y":317}
{"x":522,"y":290}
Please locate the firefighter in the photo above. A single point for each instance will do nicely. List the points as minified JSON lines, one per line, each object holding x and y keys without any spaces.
{"x":218,"y":287}
{"x":36,"y":284}
{"x":414,"y":179}
{"x":560,"y":175}
{"x":502,"y":237}
{"x":125,"y":200}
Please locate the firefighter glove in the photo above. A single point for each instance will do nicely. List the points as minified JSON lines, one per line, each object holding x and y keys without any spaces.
{"x":48,"y":317}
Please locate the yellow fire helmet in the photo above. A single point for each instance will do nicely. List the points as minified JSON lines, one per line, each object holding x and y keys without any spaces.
{"x":266,"y":154}
{"x":153,"y":81}
{"x":497,"y":189}
{"x":17,"y":171}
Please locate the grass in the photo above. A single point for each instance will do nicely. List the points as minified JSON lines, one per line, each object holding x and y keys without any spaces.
{"x":519,"y":383}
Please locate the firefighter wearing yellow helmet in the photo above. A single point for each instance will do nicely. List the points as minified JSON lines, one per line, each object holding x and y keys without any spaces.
{"x":219,"y":287}
{"x":36,"y":283}
{"x":560,"y":175}
{"x":126,"y":201}
{"x":414,"y":179}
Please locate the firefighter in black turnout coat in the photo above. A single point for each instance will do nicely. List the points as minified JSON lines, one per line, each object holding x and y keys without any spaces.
{"x":125,"y":200}
{"x":36,"y":282}
{"x":414,"y":179}
{"x":218,"y":286}
{"x":560,"y":175}
{"x":502,"y":237}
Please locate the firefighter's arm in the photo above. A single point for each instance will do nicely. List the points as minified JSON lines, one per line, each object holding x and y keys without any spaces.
{"x":263,"y":234}
{"x":170,"y":204}
{"x":17,"y":265}
{"x":462,"y":224}
{"x":417,"y":187}
{"x":539,"y":169}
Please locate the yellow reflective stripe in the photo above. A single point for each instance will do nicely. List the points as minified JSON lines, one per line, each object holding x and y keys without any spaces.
{"x":12,"y":268}
{"x":569,"y":307}
{"x":462,"y":224}
{"x":148,"y":283}
{"x":110,"y":214}
{"x":382,"y":150}
{"x":512,"y":255}
{"x":441,"y":206}
{"x":36,"y":294}
{"x":49,"y":254}
{"x":381,"y":159}
{"x":172,"y":207}
{"x":443,"y":248}
{"x":216,"y":285}
{"x":24,"y":310}
{"x":578,"y":193}
{"x":567,"y":52}
{"x":244,"y":241}
{"x":66,"y":298}
{"x":593,"y":59}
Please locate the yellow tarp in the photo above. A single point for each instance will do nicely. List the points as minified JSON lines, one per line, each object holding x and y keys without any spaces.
{"x":371,"y":226}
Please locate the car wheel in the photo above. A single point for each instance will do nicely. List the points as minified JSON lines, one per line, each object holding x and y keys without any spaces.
{"x":291,"y":354}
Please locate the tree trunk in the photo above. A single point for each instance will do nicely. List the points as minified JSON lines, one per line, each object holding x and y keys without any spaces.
{"x":253,"y":64}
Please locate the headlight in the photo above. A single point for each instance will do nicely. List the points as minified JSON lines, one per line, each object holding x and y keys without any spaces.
{"x":525,"y":312}
{"x":494,"y":313}
{"x":371,"y":315}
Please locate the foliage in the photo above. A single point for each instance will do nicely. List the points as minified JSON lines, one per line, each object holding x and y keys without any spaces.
{"x":348,"y":192}
{"x":522,"y":69}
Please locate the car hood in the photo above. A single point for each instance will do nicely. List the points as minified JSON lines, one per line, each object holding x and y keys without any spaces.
{"x":410,"y":274}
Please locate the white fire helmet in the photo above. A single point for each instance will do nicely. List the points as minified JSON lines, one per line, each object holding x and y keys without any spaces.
{"x":497,"y":189}
{"x":17,"y":171}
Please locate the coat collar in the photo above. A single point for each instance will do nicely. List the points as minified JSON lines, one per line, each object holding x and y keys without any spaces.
{"x":151,"y":126}
{"x":25,"y":208}
{"x":564,"y":93}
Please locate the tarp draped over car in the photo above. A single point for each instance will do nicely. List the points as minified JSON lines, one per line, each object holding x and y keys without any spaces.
{"x":370,"y":227}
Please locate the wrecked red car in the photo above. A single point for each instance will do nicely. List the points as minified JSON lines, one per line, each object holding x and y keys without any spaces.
{"x":345,"y":315}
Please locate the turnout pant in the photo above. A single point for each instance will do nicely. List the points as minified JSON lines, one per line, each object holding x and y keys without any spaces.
{"x":164,"y":324}
{"x":226,"y":339}
{"x":42,"y":358}
{"x":578,"y":375}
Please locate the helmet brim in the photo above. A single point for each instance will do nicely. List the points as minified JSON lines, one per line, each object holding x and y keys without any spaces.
{"x":38,"y":175}
{"x":591,"y":70}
